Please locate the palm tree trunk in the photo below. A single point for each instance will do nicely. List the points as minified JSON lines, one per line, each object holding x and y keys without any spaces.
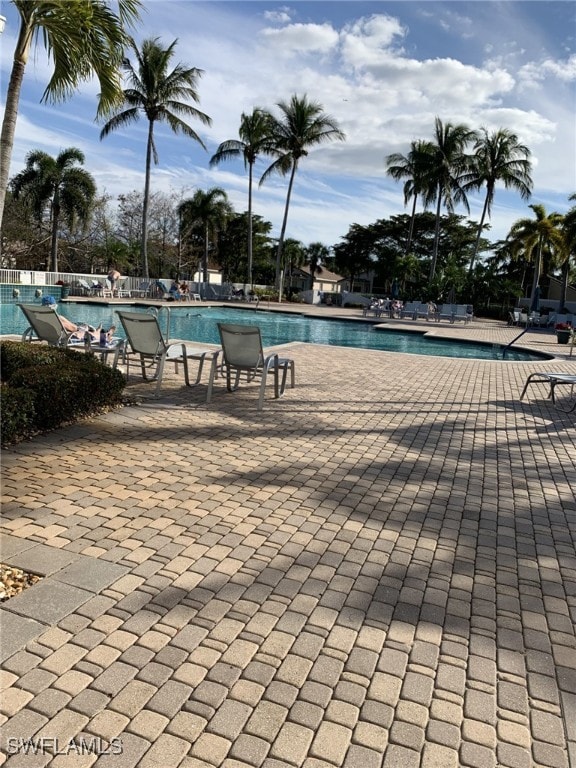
{"x":250,"y":174}
{"x":205,"y":256}
{"x":411,"y":229}
{"x":479,"y":235}
{"x":279,"y":271}
{"x":11,"y":110}
{"x":146,"y":202}
{"x":54,"y":239}
{"x":537,"y":263}
{"x":564,"y":284}
{"x":436,"y":237}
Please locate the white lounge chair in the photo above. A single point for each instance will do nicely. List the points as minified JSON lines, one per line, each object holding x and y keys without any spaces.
{"x":242,"y":354}
{"x":147,"y":344}
{"x":553,"y":380}
{"x":45,"y":325}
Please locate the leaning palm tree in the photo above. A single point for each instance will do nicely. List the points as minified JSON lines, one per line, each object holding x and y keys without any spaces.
{"x":412,"y":168}
{"x":254,"y":139}
{"x":532,"y":239}
{"x":157,"y":91}
{"x":83,"y":37}
{"x":57,"y":183}
{"x":303,"y":125}
{"x":443,"y":172}
{"x":497,"y":157}
{"x":207,"y":212}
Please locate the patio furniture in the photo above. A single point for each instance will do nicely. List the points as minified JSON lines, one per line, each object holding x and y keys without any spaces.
{"x":146,"y":343}
{"x":242,"y":354}
{"x":45,"y":325}
{"x":553,"y":380}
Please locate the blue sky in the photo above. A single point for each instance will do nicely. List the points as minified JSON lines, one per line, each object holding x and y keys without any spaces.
{"x":383,"y":70}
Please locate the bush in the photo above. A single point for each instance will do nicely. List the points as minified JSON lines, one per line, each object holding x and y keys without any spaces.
{"x":52,"y":386}
{"x":17,"y":415}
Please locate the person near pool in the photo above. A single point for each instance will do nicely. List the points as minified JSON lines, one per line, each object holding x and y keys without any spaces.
{"x":79,"y":330}
{"x":113,"y":277}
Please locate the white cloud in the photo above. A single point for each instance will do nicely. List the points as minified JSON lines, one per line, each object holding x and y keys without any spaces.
{"x":374,"y":73}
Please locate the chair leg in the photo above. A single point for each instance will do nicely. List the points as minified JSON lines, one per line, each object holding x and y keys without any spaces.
{"x":213,"y":375}
{"x":531,"y":380}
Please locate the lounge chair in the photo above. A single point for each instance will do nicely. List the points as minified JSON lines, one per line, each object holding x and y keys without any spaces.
{"x":107,"y":290}
{"x":554,"y":380}
{"x":121,"y":291}
{"x":462,"y":313}
{"x":242,"y":353}
{"x":447,"y":312}
{"x":410,"y":309}
{"x":45,"y":325}
{"x":147,"y":344}
{"x":142,"y":291}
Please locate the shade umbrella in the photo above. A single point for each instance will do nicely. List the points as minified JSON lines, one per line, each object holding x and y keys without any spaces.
{"x":395,"y":289}
{"x":451,"y":298}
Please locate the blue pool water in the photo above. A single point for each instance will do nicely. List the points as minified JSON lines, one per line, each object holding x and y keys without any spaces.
{"x":198,"y":323}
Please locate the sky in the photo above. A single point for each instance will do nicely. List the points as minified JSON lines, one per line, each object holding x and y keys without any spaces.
{"x":383,"y":70}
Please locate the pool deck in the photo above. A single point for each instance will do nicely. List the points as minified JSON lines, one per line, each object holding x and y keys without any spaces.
{"x":377,"y":570}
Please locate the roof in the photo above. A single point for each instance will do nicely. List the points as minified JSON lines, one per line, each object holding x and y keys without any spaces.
{"x":325,"y":275}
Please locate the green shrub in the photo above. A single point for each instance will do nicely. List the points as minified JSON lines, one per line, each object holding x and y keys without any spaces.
{"x":17,"y":417}
{"x":15,"y":355}
{"x":62,"y":385}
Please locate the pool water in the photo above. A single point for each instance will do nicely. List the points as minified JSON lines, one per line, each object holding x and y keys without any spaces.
{"x":196,"y":323}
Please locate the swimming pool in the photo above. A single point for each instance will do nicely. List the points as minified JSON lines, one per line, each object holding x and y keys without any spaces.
{"x":199,"y":323}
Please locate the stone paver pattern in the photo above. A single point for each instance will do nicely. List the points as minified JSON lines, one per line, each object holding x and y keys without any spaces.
{"x":377,"y":570}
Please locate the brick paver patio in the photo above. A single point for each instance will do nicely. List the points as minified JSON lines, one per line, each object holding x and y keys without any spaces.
{"x":377,"y":570}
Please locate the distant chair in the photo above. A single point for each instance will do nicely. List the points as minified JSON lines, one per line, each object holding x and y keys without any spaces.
{"x":142,"y":291}
{"x":242,"y":354}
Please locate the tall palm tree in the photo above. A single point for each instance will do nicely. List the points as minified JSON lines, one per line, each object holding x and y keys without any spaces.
{"x":411,"y":167}
{"x":569,"y":232}
{"x":157,"y":91}
{"x":303,"y":125}
{"x":83,"y":37}
{"x":207,"y":211}
{"x":254,"y":139}
{"x":498,"y":156}
{"x":59,"y":183}
{"x":534,"y":238}
{"x":443,"y":173}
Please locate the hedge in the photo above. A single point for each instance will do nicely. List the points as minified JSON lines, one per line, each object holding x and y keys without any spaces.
{"x":44,"y":387}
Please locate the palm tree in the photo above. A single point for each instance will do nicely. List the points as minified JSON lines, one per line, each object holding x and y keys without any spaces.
{"x":303,"y":125}
{"x":83,"y":38}
{"x":443,"y":172}
{"x":569,"y":231}
{"x":534,"y":238}
{"x":209,"y":212}
{"x":156,"y":91}
{"x":412,"y":168}
{"x":59,"y":184}
{"x":498,"y":157}
{"x":315,"y":255}
{"x":254,"y":133}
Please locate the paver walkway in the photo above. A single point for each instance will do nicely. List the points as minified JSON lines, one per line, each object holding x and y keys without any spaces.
{"x":377,"y":570}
